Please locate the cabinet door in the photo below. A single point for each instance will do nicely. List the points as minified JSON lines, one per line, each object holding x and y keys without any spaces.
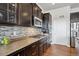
{"x":36,"y":11}
{"x":3,"y":6}
{"x":7,"y":15}
{"x":35,"y":8}
{"x":3,"y":16}
{"x":11,"y":12}
{"x":41,"y":51}
{"x":39,"y":14}
{"x":25,"y":14}
{"x":45,"y":44}
{"x":3,"y":13}
{"x":34,"y":49}
{"x":41,"y":47}
{"x":49,"y":41}
{"x":45,"y":21}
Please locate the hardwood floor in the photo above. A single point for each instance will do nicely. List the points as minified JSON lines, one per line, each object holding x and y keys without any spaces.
{"x":60,"y":50}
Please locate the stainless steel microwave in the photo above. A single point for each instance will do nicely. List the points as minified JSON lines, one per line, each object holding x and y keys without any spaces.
{"x":37,"y":22}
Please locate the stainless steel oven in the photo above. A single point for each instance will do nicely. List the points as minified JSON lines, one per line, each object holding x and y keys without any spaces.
{"x":37,"y":22}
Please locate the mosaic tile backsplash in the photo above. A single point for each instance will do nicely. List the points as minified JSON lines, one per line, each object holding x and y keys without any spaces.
{"x":18,"y":31}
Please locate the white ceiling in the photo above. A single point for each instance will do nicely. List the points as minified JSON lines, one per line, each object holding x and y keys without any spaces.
{"x":49,"y":6}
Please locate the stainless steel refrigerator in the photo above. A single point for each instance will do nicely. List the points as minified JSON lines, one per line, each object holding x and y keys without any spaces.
{"x":73,"y":33}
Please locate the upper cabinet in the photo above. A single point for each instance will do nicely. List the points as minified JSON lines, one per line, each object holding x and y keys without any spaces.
{"x":12,"y":17}
{"x":3,"y":6}
{"x":21,"y":14}
{"x":36,"y":11}
{"x":47,"y":22}
{"x":26,"y":11}
{"x":8,"y":13}
{"x":24,"y":14}
{"x":3,"y":13}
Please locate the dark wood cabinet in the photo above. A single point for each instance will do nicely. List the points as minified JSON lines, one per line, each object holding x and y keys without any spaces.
{"x":11,"y":13}
{"x":3,"y":13}
{"x":24,"y":14}
{"x":36,"y":11}
{"x":19,"y":13}
{"x":3,"y":6}
{"x":49,"y":41}
{"x":44,"y":43}
{"x":8,"y":13}
{"x":35,"y":49}
{"x":40,"y":50}
{"x":31,"y":50}
{"x":47,"y":22}
{"x":3,"y":16}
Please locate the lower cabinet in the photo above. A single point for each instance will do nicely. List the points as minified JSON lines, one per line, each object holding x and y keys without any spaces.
{"x":49,"y":41}
{"x":35,"y":49}
{"x":40,"y":49}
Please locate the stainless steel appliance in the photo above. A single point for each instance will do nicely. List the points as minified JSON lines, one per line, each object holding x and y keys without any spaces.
{"x":37,"y":22}
{"x":74,"y":31}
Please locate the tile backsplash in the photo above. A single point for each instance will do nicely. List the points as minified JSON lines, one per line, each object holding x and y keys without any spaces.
{"x":15,"y":31}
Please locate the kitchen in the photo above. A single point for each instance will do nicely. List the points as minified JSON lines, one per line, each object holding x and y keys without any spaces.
{"x":33,"y":29}
{"x":24,"y":29}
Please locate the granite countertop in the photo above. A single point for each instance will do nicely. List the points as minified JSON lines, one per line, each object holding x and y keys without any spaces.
{"x":18,"y":44}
